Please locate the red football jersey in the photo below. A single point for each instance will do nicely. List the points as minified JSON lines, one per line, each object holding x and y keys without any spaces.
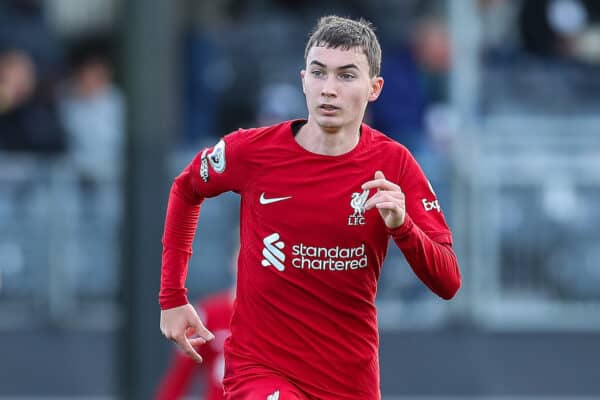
{"x":215,"y":312}
{"x":310,"y":256}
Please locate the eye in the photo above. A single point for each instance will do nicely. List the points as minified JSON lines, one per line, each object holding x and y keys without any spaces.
{"x":317,"y":73}
{"x":347,"y":76}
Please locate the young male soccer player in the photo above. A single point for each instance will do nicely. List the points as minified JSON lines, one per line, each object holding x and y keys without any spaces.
{"x":320,"y":199}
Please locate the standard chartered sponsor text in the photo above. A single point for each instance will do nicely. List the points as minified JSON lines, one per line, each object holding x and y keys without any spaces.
{"x":329,"y":259}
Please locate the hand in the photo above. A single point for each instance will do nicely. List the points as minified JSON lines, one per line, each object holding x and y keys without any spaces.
{"x":389,"y":200}
{"x":179,"y":324}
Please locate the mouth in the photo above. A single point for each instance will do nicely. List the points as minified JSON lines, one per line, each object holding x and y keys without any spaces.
{"x":328,"y":108}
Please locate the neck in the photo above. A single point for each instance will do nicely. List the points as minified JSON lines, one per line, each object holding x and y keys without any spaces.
{"x":328,"y":141}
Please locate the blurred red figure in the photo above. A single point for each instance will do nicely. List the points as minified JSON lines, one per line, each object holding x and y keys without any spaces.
{"x":216,"y":311}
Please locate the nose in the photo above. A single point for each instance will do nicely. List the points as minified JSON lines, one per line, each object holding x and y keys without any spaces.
{"x":329,"y":87}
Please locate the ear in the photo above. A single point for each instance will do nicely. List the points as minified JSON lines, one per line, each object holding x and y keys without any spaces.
{"x":376,"y":87}
{"x":302,"y":74}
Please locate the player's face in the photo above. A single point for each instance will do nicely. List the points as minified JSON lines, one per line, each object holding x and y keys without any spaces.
{"x":337,"y":86}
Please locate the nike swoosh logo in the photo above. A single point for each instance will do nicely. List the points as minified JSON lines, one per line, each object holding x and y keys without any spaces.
{"x":264,"y":200}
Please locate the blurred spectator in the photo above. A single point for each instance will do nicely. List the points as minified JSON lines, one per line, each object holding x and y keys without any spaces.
{"x":30,"y":66}
{"x":205,"y":73}
{"x":93,"y":111}
{"x":540,"y":56}
{"x":415,"y":76}
{"x":431,"y":45}
{"x":235,"y":111}
{"x":23,"y":27}
{"x":403,"y":99}
{"x":17,"y":79}
{"x":561,"y":29}
{"x":215,"y":71}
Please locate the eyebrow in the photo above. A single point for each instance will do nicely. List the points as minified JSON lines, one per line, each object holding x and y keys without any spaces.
{"x":347,"y":66}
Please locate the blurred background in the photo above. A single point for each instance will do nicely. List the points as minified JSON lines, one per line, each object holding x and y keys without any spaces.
{"x":102,"y":102}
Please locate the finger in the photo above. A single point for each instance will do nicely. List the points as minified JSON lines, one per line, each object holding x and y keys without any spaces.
{"x":372,"y":201}
{"x":193,"y":338}
{"x":202,"y":332}
{"x":379,"y":177}
{"x":196,"y":342}
{"x":186,"y":346}
{"x":388,"y":194}
{"x":384,"y":195}
{"x":387,"y":205}
{"x":381,"y":184}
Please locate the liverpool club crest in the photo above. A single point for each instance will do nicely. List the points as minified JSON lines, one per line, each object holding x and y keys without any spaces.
{"x":357,"y":202}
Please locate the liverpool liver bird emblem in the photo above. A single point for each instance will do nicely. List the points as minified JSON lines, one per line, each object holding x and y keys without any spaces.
{"x":358,"y":203}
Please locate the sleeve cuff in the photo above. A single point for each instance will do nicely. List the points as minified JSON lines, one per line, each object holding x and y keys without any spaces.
{"x":173,"y":300}
{"x":403,"y":230}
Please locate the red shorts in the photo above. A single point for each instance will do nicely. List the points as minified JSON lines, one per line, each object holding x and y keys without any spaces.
{"x":269,"y":387}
